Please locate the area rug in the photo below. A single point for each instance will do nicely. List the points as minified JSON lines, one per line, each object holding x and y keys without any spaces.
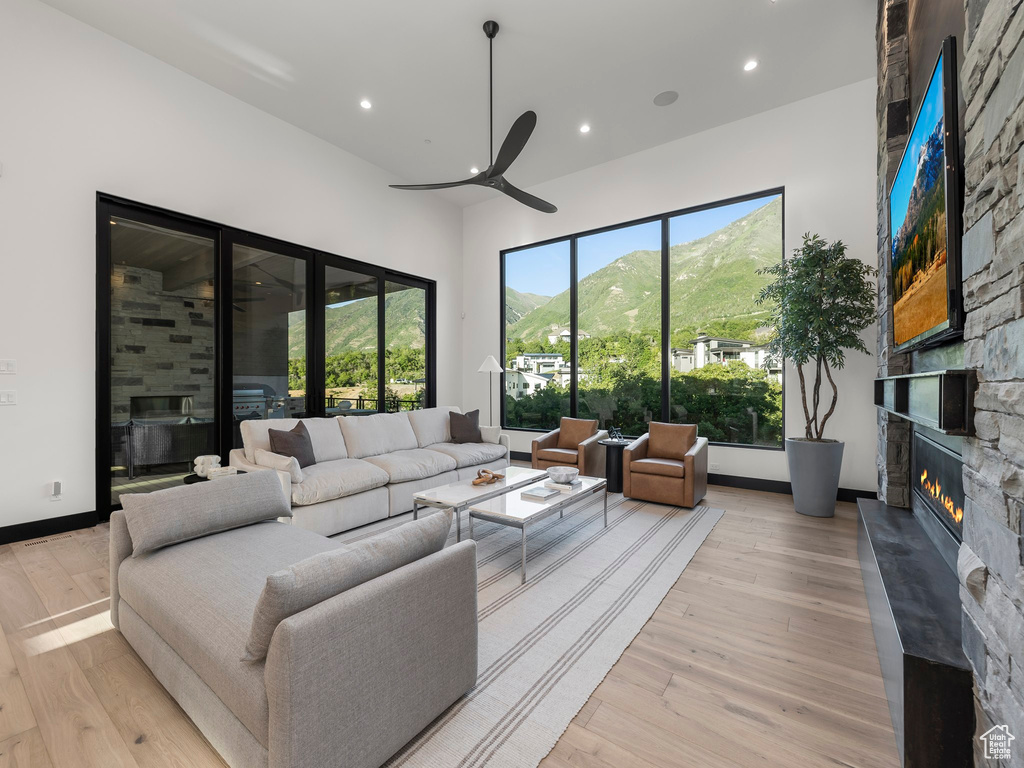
{"x":547,"y":644}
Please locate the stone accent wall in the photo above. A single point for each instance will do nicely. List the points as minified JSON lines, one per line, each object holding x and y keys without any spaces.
{"x":159,"y":344}
{"x":893,"y":112}
{"x":992,"y":80}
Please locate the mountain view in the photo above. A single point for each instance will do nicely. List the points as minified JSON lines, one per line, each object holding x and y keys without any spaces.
{"x":353,"y":326}
{"x":519,"y":305}
{"x":714,"y":280}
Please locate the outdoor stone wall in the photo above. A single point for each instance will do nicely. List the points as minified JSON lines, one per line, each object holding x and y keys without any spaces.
{"x":159,"y":344}
{"x":992,"y":80}
{"x":893,"y":113}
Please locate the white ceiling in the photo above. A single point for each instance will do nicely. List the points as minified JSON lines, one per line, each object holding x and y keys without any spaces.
{"x":423,"y":64}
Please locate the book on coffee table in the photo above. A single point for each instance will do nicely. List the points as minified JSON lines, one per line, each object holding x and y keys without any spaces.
{"x":561,"y":487}
{"x":539,"y":493}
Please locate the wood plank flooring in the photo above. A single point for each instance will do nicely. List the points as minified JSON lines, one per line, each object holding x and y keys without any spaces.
{"x":761,"y":655}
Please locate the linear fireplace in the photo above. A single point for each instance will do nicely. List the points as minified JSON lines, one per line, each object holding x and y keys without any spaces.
{"x":937,"y":500}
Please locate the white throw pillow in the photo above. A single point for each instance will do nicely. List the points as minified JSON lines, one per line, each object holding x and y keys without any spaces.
{"x":490,"y":434}
{"x":281,"y":463}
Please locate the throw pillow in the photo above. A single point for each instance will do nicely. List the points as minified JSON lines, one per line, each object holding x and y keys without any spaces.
{"x":670,"y":441}
{"x":572,"y":432}
{"x":465,"y":427}
{"x":178,"y":514}
{"x":295,"y":442}
{"x":322,"y":576}
{"x":281,"y":463}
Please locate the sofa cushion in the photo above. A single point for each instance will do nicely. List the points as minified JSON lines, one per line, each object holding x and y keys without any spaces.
{"x":469,"y":454}
{"x":572,"y":432}
{"x":172,"y":515}
{"x":324,"y":434}
{"x":670,"y":441}
{"x":377,"y":433}
{"x":663,"y":467}
{"x":414,"y":464}
{"x":199,"y":597}
{"x":431,"y":424}
{"x":281,"y":463}
{"x":293,"y":442}
{"x":324,"y":575}
{"x":336,"y":479}
{"x":465,"y":428}
{"x":559,"y":454}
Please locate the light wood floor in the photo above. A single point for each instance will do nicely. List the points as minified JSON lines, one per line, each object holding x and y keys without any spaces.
{"x":761,"y":655}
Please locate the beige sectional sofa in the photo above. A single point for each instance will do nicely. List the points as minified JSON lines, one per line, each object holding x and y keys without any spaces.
{"x":368,"y":467}
{"x":286,"y":648}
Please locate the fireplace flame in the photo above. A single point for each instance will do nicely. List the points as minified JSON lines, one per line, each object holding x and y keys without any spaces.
{"x":934,"y":488}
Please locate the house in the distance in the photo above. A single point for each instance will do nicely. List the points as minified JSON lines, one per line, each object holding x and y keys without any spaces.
{"x":565,"y":334}
{"x":708,"y":350}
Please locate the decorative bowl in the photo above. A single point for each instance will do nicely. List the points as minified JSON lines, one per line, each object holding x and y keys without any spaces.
{"x":563,"y":474}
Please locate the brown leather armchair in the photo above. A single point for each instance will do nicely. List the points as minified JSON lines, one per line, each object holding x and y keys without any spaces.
{"x":668,"y":465}
{"x":573,"y":444}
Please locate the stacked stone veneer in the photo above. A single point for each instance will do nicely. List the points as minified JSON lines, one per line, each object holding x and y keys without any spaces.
{"x":992,"y":80}
{"x":893,"y":112}
{"x":160,"y":344}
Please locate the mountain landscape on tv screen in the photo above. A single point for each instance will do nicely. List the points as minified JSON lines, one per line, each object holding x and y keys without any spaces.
{"x":919,"y":247}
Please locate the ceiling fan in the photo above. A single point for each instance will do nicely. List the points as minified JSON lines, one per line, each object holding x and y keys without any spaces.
{"x":518,"y":135}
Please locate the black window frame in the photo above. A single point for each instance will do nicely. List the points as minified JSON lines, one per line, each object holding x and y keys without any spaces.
{"x":224,"y":238}
{"x":666,"y":319}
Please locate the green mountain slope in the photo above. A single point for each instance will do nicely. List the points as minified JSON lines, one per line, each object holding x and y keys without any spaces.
{"x":713,"y":279}
{"x":353,"y":326}
{"x":518,"y":305}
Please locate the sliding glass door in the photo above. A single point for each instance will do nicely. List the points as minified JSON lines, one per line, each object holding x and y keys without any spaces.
{"x":202,"y":326}
{"x":269,"y":333}
{"x":158,"y":401}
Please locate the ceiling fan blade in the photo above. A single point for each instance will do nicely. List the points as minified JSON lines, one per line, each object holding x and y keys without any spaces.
{"x":514,"y":142}
{"x":527,"y":199}
{"x":444,"y":185}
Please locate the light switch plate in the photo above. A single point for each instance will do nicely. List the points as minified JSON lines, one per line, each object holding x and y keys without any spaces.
{"x":8,"y":397}
{"x":8,"y":366}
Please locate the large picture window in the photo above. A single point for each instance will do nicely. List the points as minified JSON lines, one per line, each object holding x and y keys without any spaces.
{"x":654,"y":320}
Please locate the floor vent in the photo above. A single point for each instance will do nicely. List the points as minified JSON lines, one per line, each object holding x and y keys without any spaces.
{"x":47,"y":541}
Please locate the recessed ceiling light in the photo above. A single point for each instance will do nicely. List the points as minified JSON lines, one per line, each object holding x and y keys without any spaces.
{"x":584,"y":128}
{"x":752,"y":64}
{"x":365,"y":104}
{"x":474,"y":169}
{"x":665,"y":98}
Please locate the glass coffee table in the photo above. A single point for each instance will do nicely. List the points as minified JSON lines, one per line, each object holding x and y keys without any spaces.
{"x":458,"y":496}
{"x":512,"y":510}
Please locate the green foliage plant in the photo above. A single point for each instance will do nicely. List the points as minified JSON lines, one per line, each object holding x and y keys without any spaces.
{"x":820,"y":301}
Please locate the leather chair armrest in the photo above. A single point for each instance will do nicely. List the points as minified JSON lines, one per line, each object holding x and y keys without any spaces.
{"x":633,"y":452}
{"x":695,"y":464}
{"x":590,"y":457}
{"x":550,"y":440}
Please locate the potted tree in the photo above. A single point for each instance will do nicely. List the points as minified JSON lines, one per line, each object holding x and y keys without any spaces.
{"x":820,"y":302}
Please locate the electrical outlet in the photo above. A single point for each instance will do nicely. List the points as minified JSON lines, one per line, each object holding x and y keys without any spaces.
{"x":8,"y":397}
{"x":714,"y":467}
{"x":8,"y":367}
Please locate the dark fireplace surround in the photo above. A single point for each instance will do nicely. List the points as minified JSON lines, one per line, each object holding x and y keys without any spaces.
{"x":909,"y":563}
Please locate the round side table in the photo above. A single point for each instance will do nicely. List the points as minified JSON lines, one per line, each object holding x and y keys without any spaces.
{"x":613,"y":463}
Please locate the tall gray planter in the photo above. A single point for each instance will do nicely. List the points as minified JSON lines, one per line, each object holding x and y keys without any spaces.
{"x":814,"y":473}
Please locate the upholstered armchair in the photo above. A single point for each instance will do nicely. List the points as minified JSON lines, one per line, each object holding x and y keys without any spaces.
{"x":668,"y":465}
{"x":573,"y":444}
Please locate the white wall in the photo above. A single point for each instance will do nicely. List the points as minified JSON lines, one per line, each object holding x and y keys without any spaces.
{"x":82,"y":112}
{"x":822,"y":150}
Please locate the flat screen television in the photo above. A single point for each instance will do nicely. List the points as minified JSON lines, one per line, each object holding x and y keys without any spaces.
{"x":925,"y":209}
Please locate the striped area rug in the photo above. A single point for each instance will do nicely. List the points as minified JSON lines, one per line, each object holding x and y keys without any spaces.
{"x":547,"y":644}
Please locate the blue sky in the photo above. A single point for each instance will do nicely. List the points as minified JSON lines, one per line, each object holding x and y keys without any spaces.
{"x":928,"y":117}
{"x":545,"y":269}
